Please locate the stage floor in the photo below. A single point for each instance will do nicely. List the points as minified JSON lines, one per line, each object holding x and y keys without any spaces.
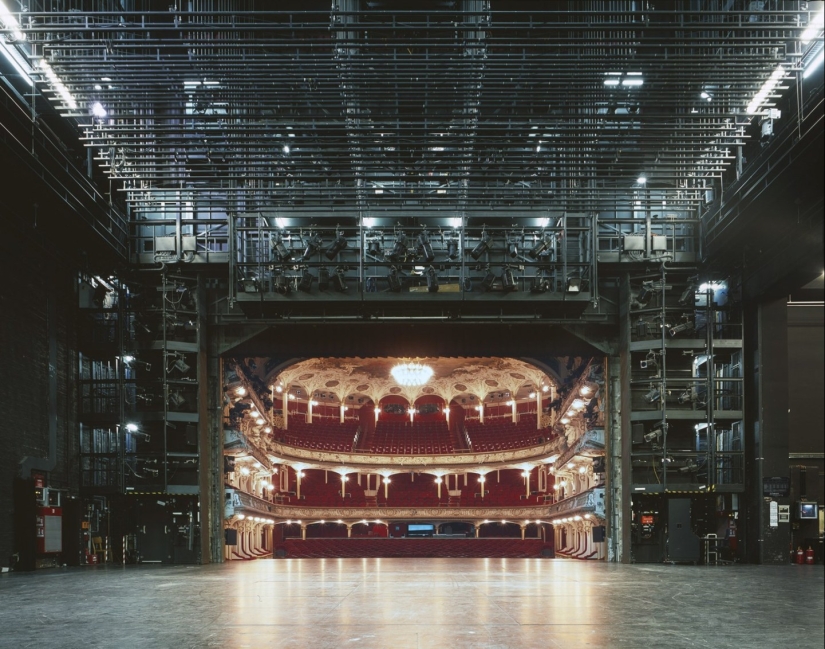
{"x":420,"y":603}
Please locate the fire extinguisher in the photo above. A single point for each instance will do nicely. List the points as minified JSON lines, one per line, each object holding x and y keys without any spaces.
{"x":800,"y":556}
{"x":809,"y":556}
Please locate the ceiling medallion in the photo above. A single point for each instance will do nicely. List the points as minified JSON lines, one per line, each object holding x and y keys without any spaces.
{"x":411,"y":373}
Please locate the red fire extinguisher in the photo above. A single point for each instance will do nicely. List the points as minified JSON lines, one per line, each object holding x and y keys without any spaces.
{"x":800,"y":556}
{"x":809,"y":556}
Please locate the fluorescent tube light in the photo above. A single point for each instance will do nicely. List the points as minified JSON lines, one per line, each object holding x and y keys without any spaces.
{"x":813,"y":65}
{"x":813,"y":28}
{"x":11,"y":23}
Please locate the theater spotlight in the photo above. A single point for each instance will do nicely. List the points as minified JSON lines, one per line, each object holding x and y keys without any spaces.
{"x":249,"y":284}
{"x":539,"y":285}
{"x":338,"y":281}
{"x":425,"y":248}
{"x":374,"y":248}
{"x":337,"y":246}
{"x":177,"y":399}
{"x":283,"y":285}
{"x":279,"y":250}
{"x":399,"y":248}
{"x":512,"y":248}
{"x":487,"y":282}
{"x":656,"y":433}
{"x":305,"y":284}
{"x":538,"y":249}
{"x":393,"y":280}
{"x":645,"y":293}
{"x":687,"y":325}
{"x":180,"y":365}
{"x":452,"y":249}
{"x":313,"y":245}
{"x":688,"y":295}
{"x":689,"y":467}
{"x":508,"y":280}
{"x":432,"y":280}
{"x":574,"y":285}
{"x":649,"y":362}
{"x":482,"y":246}
{"x":653,"y":395}
{"x":323,"y":279}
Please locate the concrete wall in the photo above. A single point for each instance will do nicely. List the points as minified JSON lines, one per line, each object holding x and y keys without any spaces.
{"x":31,"y":276}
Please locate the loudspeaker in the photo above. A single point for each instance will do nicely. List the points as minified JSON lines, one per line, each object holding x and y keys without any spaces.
{"x":230,"y":536}
{"x":599,"y":534}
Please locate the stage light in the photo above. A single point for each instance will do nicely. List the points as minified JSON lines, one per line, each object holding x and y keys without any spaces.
{"x":452,"y":249}
{"x":656,"y":433}
{"x":508,"y":280}
{"x":305,"y":284}
{"x":241,"y":391}
{"x":487,"y":282}
{"x":181,"y":366}
{"x":98,"y":110}
{"x":132,"y":428}
{"x":482,"y":246}
{"x":425,"y":247}
{"x":313,"y":245}
{"x":374,"y":247}
{"x":393,"y":280}
{"x":539,"y":248}
{"x":641,"y":180}
{"x":574,"y":285}
{"x":337,"y":246}
{"x":539,"y":285}
{"x":653,"y":395}
{"x":399,"y":248}
{"x":432,"y":280}
{"x":685,"y":326}
{"x":645,"y":292}
{"x":177,"y":399}
{"x":323,"y":279}
{"x":282,"y":285}
{"x":338,"y":281}
{"x":279,"y":250}
{"x":512,"y":249}
{"x":688,"y":294}
{"x":11,"y":23}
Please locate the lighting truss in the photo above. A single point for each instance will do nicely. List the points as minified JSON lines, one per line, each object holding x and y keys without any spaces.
{"x":445,"y":108}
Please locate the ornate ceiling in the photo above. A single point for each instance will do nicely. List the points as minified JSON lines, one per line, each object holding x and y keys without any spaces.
{"x":340,"y":378}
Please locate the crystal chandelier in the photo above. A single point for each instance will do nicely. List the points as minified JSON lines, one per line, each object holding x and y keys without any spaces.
{"x":411,"y":373}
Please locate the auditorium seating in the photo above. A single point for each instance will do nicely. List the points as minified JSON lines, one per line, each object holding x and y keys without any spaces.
{"x":405,"y":438}
{"x":318,"y":490}
{"x":403,"y":492}
{"x":501,"y":434}
{"x":322,"y":434}
{"x":413,"y":548}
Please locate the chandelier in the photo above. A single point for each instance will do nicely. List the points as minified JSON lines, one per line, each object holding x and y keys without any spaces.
{"x":411,"y":373}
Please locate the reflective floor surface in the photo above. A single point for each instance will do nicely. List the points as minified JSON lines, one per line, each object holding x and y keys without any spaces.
{"x":420,"y":603}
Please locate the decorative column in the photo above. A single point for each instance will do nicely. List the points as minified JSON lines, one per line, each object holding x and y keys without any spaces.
{"x":386,"y":487}
{"x":438,"y":482}
{"x":298,"y":475}
{"x":309,"y":409}
{"x":349,"y":530}
{"x":481,"y":413}
{"x":343,"y":486}
{"x":343,"y":410}
{"x":284,"y":407}
{"x":303,"y":532}
{"x":538,"y":407}
{"x":523,"y":531}
{"x":514,"y":408}
{"x":526,"y":475}
{"x":481,"y":481}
